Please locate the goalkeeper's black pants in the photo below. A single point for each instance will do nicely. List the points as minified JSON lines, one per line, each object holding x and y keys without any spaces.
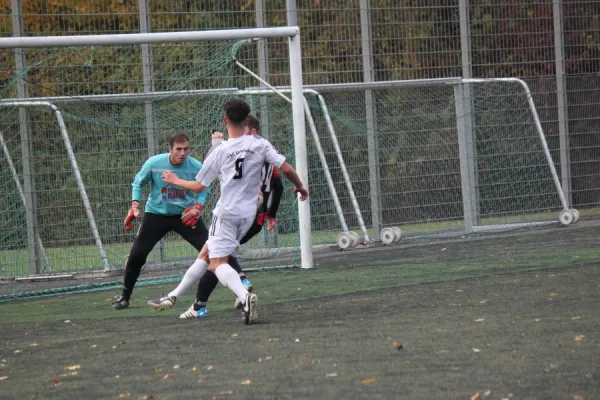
{"x":154,"y":227}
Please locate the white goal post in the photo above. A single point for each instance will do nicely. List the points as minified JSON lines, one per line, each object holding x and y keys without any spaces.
{"x":295,"y":61}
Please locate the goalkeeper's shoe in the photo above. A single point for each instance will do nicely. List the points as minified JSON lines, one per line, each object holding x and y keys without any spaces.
{"x":251,"y":309}
{"x":120,"y":303}
{"x":195,"y":311}
{"x":164,"y":303}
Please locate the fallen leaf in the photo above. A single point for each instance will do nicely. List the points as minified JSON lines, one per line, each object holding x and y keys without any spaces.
{"x":67,"y":321}
{"x":125,"y":395}
{"x":368,"y":381}
{"x":331,"y":375}
{"x":235,"y":335}
{"x":305,"y":356}
{"x":34,"y":344}
{"x":3,"y":378}
{"x":476,"y":396}
{"x":209,"y":367}
{"x":476,"y":350}
{"x":18,"y":351}
{"x":176,"y":366}
{"x":537,"y":319}
{"x":117,"y":376}
{"x":73,"y":367}
{"x":483,"y":301}
{"x":574,"y":318}
{"x":444,"y":249}
{"x":444,"y":351}
{"x":297,"y":340}
{"x":579,"y":338}
{"x":224,"y":393}
{"x":553,"y":294}
{"x":268,"y":358}
{"x":146,"y":397}
{"x":246,"y":382}
{"x":299,"y":307}
{"x":480,"y":320}
{"x":166,"y":377}
{"x":487,"y":393}
{"x":55,"y":381}
{"x":93,"y":346}
{"x":194,"y":369}
{"x":158,"y":369}
{"x":274,"y":339}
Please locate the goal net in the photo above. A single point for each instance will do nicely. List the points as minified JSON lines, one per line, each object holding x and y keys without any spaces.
{"x":118,"y":109}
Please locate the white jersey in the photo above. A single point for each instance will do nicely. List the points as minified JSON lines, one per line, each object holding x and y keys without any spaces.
{"x":238,"y":163}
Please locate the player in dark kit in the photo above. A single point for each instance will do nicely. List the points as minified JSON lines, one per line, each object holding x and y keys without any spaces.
{"x":168,"y":208}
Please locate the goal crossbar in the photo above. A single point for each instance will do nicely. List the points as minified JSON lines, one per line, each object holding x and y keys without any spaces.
{"x":146,"y":38}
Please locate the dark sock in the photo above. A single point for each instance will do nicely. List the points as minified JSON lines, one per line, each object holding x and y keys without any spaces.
{"x":207,"y":284}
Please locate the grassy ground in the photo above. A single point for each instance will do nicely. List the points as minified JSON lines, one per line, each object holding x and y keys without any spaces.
{"x":15,"y":262}
{"x":515,"y":315}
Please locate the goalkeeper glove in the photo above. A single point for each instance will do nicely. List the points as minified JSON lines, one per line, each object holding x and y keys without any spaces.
{"x":271,"y":223}
{"x":134,"y":212}
{"x":191,"y":215}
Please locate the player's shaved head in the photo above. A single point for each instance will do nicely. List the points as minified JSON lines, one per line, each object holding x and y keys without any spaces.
{"x":237,"y":111}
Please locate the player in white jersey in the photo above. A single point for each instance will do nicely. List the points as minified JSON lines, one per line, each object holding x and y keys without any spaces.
{"x":237,"y":163}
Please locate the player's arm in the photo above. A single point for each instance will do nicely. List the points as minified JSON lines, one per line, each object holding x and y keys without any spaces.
{"x":142,"y":178}
{"x":275,"y":157}
{"x":290,"y":173}
{"x":204,"y":178}
{"x":172,"y":179}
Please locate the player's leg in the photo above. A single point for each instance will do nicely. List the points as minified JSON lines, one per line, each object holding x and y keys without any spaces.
{"x":193,"y":274}
{"x":196,"y":237}
{"x":223,"y":241}
{"x":153,"y":228}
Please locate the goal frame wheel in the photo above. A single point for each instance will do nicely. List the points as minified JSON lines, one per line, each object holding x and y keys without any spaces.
{"x":344,"y":240}
{"x":575,"y":215}
{"x":355,"y":238}
{"x":397,"y":233}
{"x":387,"y":235}
{"x":566,"y":217}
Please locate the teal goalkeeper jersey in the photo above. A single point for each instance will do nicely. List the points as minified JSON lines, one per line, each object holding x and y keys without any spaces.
{"x":165,"y":199}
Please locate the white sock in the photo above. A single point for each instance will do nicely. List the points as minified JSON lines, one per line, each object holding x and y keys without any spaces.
{"x":191,"y":277}
{"x":228,"y":277}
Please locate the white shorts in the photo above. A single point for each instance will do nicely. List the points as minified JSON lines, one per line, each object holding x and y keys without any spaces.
{"x":224,"y":235}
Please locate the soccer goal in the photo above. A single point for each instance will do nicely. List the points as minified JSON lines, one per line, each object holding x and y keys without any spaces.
{"x":121,"y":96}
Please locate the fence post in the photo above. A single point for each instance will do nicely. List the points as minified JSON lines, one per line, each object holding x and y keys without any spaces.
{"x":562,"y":101}
{"x":26,"y":148}
{"x":158,"y":253}
{"x":370,"y":112}
{"x":465,"y":118}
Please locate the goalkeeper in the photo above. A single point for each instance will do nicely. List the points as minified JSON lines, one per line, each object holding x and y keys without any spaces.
{"x":168,"y":208}
{"x":272,"y":185}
